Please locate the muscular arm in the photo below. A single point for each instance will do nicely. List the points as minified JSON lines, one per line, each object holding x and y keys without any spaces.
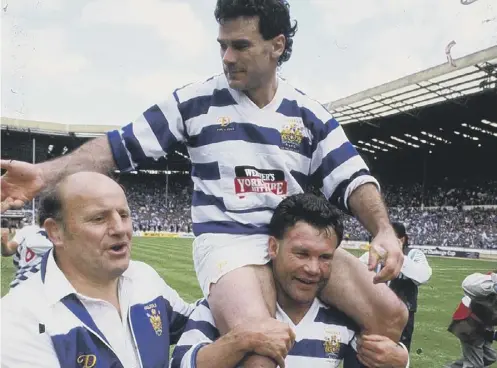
{"x":368,"y":207}
{"x":225,"y":352}
{"x":95,"y":155}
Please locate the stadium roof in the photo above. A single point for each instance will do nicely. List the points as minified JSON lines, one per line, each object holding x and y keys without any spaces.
{"x":465,"y":76}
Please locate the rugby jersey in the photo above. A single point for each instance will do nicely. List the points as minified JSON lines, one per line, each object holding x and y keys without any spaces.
{"x":245,"y":159}
{"x":324,"y":337}
{"x":33,"y":243}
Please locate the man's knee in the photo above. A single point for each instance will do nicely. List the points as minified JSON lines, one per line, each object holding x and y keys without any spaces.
{"x":241,"y":295}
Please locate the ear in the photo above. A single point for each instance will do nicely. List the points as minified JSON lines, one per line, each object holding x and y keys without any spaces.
{"x":278,"y":46}
{"x":55,"y":232}
{"x":273,"y":247}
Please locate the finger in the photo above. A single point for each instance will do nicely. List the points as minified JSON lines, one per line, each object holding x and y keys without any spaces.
{"x":281,"y":361}
{"x":373,"y":337}
{"x":366,"y":361}
{"x":387,"y":272}
{"x":373,"y":259}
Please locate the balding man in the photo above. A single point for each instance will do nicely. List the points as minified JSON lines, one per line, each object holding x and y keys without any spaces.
{"x":90,"y":306}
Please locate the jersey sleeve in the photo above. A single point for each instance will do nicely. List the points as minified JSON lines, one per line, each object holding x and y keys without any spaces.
{"x":149,"y":137}
{"x":336,"y":166}
{"x":200,"y":330}
{"x":19,"y":236}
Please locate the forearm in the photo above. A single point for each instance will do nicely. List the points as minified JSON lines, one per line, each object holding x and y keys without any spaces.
{"x":94,"y":155}
{"x":226,"y":352}
{"x":367,"y":205}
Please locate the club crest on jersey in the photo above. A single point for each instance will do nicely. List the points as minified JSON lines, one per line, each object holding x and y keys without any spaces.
{"x":224,"y":124}
{"x":292,"y":134}
{"x":332,"y":343}
{"x":154,"y":317}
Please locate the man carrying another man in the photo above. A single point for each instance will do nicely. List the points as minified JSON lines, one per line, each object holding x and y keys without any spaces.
{"x":304,"y":234}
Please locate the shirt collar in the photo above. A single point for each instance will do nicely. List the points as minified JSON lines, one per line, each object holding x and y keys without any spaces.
{"x":56,"y":284}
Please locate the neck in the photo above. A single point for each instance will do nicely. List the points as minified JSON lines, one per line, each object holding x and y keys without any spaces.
{"x":92,"y":287}
{"x":295,"y":311}
{"x":264,"y":94}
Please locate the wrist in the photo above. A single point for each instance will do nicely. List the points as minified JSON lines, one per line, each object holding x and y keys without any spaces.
{"x":243,"y":340}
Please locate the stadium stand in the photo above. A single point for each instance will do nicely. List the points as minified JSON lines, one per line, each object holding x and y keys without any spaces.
{"x":429,"y":138}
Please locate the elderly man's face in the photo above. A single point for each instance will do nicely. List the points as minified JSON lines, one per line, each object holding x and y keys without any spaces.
{"x":302,"y":261}
{"x":97,"y":228}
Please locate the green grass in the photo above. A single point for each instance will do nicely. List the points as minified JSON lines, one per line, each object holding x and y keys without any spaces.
{"x":172,"y":258}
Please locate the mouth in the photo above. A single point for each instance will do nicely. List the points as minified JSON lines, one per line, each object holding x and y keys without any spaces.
{"x":306,"y":282}
{"x":119,"y":248}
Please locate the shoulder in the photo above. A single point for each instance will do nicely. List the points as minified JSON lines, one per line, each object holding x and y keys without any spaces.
{"x":201,"y":88}
{"x":308,"y":106}
{"x":330,"y":315}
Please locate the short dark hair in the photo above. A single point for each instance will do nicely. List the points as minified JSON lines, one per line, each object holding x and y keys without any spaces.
{"x":50,"y":205}
{"x":309,"y":208}
{"x":274,"y":19}
{"x":400,"y":231}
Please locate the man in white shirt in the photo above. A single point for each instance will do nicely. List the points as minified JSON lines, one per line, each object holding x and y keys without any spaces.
{"x":28,"y":246}
{"x":90,"y":305}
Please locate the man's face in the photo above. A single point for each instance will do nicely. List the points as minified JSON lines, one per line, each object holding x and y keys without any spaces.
{"x":98,"y":229}
{"x":302,"y":261}
{"x":248,"y":59}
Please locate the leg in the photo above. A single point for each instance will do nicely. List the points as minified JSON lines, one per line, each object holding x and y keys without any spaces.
{"x":489,"y":354}
{"x":235,"y":278}
{"x":406,"y":337}
{"x":472,"y":354}
{"x":244,"y":294}
{"x":374,"y":307}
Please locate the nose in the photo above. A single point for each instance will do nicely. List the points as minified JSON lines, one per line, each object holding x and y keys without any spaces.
{"x":116,"y":225}
{"x":312,"y":267}
{"x":229,"y":56}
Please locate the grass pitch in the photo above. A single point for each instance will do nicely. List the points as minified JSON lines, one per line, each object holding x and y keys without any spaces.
{"x":172,"y":258}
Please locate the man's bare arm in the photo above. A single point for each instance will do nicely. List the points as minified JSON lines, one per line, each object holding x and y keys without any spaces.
{"x":367,"y":205}
{"x":95,"y":155}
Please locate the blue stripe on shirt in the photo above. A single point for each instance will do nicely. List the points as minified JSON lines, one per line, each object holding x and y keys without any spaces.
{"x":160,"y":126}
{"x":118,"y":151}
{"x":206,"y":171}
{"x":200,"y":105}
{"x":236,"y":132}
{"x":334,"y":159}
{"x":228,"y":227}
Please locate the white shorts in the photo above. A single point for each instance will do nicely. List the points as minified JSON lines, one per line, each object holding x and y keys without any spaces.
{"x":214,"y":255}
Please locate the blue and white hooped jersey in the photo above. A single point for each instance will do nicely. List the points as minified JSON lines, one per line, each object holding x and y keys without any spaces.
{"x":45,"y":324}
{"x":324,"y":338}
{"x":245,"y":159}
{"x":33,"y":243}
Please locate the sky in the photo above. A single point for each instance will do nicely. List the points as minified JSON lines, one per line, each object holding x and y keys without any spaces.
{"x":106,"y":61}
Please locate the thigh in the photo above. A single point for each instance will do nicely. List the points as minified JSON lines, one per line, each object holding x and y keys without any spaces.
{"x":215,"y":255}
{"x":372,"y":306}
{"x":489,"y":354}
{"x":244,"y":294}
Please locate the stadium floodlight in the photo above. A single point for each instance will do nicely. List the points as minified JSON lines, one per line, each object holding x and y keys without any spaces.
{"x":484,"y":121}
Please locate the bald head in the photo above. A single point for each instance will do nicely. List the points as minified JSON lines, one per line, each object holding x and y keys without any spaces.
{"x":76,"y":187}
{"x":87,"y":183}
